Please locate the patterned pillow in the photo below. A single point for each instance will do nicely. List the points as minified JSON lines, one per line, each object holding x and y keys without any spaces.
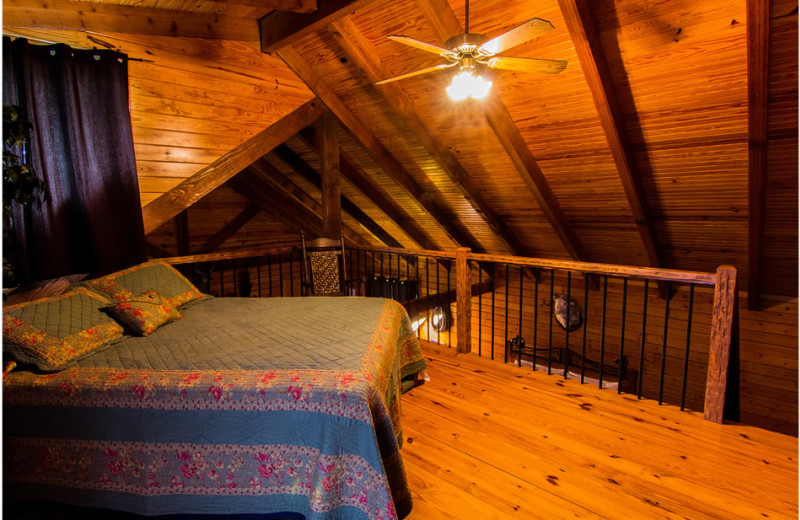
{"x":53,"y":333}
{"x":150,"y":276}
{"x":144,"y":313}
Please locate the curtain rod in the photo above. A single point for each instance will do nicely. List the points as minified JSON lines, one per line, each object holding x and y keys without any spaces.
{"x":48,"y":42}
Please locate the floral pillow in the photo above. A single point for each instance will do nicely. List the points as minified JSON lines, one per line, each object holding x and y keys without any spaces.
{"x":53,"y":333}
{"x":144,"y":313}
{"x":155,"y":276}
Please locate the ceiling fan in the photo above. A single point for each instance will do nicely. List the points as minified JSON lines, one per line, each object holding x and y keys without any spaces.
{"x":467,"y":51}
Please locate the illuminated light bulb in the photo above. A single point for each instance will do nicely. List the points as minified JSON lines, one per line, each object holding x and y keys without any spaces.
{"x":467,"y":84}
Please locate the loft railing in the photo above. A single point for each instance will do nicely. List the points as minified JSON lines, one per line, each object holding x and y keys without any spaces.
{"x":659,"y":333}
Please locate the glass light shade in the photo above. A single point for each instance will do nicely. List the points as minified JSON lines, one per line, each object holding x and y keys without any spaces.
{"x":467,"y":84}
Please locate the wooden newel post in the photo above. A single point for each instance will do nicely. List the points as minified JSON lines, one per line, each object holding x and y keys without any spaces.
{"x":463,"y":302}
{"x":720,"y":347}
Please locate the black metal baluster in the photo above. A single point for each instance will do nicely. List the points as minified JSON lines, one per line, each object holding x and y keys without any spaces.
{"x":427,"y":293}
{"x":550,"y":333}
{"x":585,"y":319}
{"x":644,"y":339}
{"x":258,"y":275}
{"x":507,"y":347}
{"x":438,"y":302}
{"x":247,"y":275}
{"x":566,"y":337}
{"x":494,"y":292}
{"x":622,"y":332}
{"x":603,"y":330}
{"x":235,"y":285}
{"x":280,"y":272}
{"x":480,"y":309}
{"x":291,"y":274}
{"x":382,"y":275}
{"x":688,"y":341}
{"x":664,"y":345}
{"x":450,"y":329}
{"x":269,"y":274}
{"x":519,"y":347}
{"x":222,"y":279}
{"x":208,"y":277}
{"x":535,"y":317}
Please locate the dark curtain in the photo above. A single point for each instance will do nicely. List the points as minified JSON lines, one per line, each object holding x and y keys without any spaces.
{"x":81,"y":145}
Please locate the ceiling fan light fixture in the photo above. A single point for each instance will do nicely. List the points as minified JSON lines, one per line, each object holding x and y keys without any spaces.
{"x":468,"y":84}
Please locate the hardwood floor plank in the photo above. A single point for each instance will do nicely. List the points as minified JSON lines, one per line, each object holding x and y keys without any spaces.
{"x":528,"y":445}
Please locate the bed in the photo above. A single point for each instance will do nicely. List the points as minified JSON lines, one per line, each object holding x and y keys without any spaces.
{"x":240,"y":406}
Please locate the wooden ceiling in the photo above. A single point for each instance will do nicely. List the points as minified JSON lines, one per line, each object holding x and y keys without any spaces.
{"x":669,"y":140}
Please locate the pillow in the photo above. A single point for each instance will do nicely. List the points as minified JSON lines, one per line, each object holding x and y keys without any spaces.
{"x":53,"y":333}
{"x":150,"y":276}
{"x":144,"y":313}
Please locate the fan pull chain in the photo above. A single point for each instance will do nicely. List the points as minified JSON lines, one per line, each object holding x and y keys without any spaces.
{"x":466,"y":18}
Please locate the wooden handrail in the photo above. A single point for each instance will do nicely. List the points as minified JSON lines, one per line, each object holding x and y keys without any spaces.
{"x":622,"y":271}
{"x":224,"y":255}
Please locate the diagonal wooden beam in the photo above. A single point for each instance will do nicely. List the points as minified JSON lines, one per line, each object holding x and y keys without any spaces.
{"x":445,"y":24}
{"x":581,"y":27}
{"x":359,"y":50}
{"x":262,"y":176}
{"x":364,"y":183}
{"x":209,"y":178}
{"x":282,"y":28}
{"x":301,"y":167}
{"x":757,"y":105}
{"x":66,"y":15}
{"x":229,"y":229}
{"x":426,"y":198}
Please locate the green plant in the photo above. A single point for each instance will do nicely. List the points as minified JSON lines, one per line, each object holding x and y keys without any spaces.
{"x":20,"y":183}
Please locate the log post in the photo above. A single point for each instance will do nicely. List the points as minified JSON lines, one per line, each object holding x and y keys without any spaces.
{"x":722,"y":329}
{"x":463,"y":302}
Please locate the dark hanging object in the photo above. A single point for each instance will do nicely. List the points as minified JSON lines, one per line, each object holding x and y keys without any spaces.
{"x":560,"y":311}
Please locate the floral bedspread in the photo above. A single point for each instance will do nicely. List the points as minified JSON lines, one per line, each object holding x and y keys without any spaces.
{"x":272,"y":425}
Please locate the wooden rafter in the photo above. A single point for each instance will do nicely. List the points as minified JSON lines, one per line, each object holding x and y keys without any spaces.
{"x":426,"y":198}
{"x":282,"y":28}
{"x":580,"y":24}
{"x":301,"y":167}
{"x":366,"y":185}
{"x":229,"y":229}
{"x":360,"y":52}
{"x":445,"y":24}
{"x":101,"y":17}
{"x":757,"y":103}
{"x":291,"y":203}
{"x":209,"y":178}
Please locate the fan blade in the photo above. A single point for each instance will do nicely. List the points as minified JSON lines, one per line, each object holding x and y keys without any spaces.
{"x":526,"y":64}
{"x":429,"y":47}
{"x":418,"y":72}
{"x":516,"y":36}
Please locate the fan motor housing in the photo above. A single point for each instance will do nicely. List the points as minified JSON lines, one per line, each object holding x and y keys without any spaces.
{"x":466,"y":43}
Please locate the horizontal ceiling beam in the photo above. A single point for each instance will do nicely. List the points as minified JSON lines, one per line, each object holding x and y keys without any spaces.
{"x":282,"y":28}
{"x":379,"y":153}
{"x":67,"y":15}
{"x":169,"y":204}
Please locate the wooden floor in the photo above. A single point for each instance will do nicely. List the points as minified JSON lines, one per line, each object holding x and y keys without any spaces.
{"x":485,"y":440}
